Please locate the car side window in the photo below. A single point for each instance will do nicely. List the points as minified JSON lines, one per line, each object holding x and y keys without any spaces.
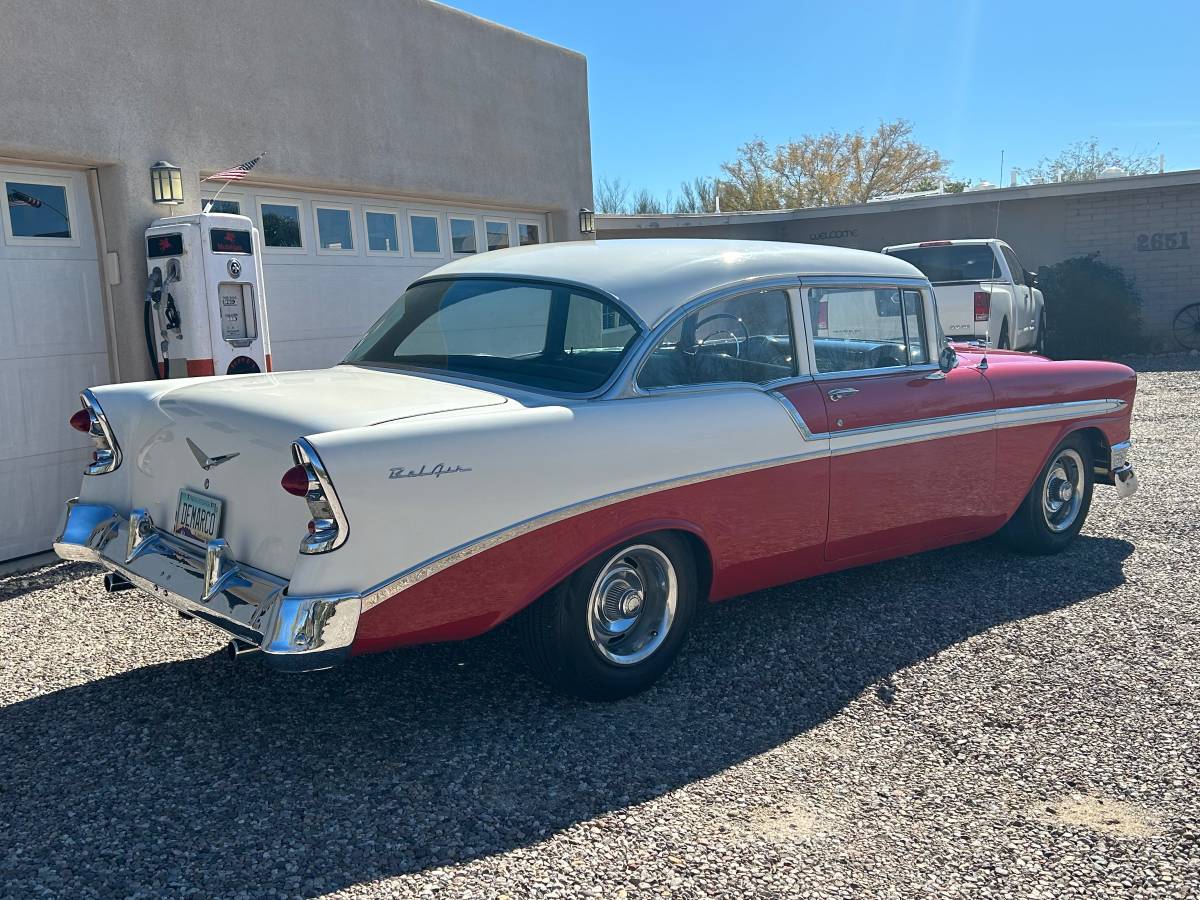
{"x":858,"y":329}
{"x":745,"y":338}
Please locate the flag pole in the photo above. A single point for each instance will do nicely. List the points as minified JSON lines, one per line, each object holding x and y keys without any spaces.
{"x":213,"y":198}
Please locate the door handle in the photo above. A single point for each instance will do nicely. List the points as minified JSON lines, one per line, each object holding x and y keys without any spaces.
{"x":838,"y":393}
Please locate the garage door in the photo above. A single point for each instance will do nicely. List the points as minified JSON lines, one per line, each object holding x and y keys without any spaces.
{"x":334,"y":263}
{"x":52,"y":344}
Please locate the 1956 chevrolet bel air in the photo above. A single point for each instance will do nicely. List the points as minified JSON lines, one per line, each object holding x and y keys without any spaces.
{"x":595,"y":438}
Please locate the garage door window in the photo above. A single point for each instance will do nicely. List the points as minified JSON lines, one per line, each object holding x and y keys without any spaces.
{"x":281,"y":226}
{"x":228,"y":207}
{"x":462,"y":235}
{"x":528,"y":233}
{"x":425,"y":238}
{"x":383,"y":232}
{"x":37,"y":213}
{"x":335,"y":233}
{"x":497,"y":235}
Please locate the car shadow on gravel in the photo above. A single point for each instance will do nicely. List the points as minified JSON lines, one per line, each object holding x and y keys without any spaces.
{"x":204,"y":777}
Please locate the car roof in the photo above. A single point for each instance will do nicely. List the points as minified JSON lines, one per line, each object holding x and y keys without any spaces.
{"x":653,"y":277}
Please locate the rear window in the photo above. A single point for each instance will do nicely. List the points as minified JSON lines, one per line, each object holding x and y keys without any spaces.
{"x":958,"y":262}
{"x":534,"y":334}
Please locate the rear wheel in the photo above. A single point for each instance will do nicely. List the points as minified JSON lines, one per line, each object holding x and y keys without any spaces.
{"x":615,"y":626}
{"x":1055,"y":508}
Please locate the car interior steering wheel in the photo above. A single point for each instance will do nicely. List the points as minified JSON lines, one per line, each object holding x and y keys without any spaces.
{"x":737,"y":342}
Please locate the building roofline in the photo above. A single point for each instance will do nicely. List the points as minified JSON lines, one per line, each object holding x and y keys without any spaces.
{"x":990,"y":195}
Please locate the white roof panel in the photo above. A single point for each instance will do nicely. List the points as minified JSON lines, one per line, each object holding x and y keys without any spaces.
{"x":655,"y":276}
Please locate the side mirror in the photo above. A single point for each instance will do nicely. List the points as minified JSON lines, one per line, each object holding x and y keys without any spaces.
{"x":1031,"y":279}
{"x":947,"y":359}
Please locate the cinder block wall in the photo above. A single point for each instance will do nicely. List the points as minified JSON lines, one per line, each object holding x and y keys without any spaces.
{"x":1154,"y":236}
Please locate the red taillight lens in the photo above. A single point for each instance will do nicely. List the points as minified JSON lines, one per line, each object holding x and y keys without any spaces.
{"x":935,"y":244}
{"x":295,"y":481}
{"x":823,"y":315}
{"x":82,"y":421}
{"x":983,"y":306}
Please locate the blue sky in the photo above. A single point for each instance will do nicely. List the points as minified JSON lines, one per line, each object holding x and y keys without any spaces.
{"x":675,"y":87}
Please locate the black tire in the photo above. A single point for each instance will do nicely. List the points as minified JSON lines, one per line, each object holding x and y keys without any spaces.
{"x":1003,"y":343}
{"x":1030,"y":530}
{"x":1039,"y":344}
{"x":557,"y":631}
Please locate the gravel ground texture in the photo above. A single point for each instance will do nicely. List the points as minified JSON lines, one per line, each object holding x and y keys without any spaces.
{"x":961,"y":723}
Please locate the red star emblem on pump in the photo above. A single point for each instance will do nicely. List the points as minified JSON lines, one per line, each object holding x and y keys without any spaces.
{"x":164,"y":244}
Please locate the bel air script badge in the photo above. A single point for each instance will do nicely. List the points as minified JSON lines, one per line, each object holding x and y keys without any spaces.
{"x":426,"y":471}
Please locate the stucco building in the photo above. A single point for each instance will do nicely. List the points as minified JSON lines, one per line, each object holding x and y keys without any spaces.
{"x":1148,"y":225}
{"x":398,"y":134}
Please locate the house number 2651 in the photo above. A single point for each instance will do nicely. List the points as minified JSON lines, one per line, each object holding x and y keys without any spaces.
{"x":1164,"y":240}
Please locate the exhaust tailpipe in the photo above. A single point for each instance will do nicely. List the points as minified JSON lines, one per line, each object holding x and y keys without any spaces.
{"x":114,"y":582}
{"x":237,"y":649}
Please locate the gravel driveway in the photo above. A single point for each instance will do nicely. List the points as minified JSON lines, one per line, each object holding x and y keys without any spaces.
{"x":962,"y":723}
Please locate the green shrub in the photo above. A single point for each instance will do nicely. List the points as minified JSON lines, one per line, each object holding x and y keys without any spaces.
{"x":1092,"y":310}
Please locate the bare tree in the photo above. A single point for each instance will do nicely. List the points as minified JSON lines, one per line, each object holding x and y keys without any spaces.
{"x":646,"y":204}
{"x":1086,"y":161}
{"x":697,"y":196}
{"x":611,"y":196}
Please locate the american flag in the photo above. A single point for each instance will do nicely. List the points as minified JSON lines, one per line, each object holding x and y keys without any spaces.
{"x":237,"y":173}
{"x":20,"y":198}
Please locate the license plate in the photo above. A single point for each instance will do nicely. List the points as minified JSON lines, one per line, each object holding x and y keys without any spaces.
{"x":197,"y":517}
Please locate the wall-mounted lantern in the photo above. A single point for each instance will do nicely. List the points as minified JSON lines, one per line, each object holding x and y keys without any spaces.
{"x":587,"y":221}
{"x":166,"y":183}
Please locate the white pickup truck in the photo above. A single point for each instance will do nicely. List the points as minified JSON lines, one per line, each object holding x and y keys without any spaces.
{"x":983,"y":292}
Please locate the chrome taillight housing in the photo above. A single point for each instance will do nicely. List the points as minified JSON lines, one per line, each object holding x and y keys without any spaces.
{"x":328,"y":528}
{"x":106,"y":455}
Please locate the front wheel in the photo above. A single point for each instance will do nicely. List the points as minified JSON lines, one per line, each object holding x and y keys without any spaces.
{"x":615,"y":626}
{"x":1055,"y":508}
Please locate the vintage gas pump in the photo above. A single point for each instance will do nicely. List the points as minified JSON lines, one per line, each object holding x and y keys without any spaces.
{"x":206,"y":311}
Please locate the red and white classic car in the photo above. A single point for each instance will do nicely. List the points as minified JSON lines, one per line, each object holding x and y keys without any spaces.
{"x":595,"y":438}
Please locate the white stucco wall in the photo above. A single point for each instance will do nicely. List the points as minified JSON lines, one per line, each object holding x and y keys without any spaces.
{"x":401,"y":97}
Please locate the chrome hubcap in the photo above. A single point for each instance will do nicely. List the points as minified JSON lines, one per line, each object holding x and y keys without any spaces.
{"x":632,"y":604}
{"x":1062,"y":496}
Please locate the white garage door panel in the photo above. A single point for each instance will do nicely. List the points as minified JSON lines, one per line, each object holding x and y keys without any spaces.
{"x":33,"y":488}
{"x":41,"y":395}
{"x":52,"y":344}
{"x":50,"y":307}
{"x":320,"y":353}
{"x":309,"y":302}
{"x":321,"y":301}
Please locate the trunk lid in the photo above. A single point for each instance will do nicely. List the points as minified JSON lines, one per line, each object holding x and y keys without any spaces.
{"x":242,"y":428}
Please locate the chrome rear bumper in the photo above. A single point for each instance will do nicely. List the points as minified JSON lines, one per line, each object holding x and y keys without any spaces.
{"x":296,"y":634}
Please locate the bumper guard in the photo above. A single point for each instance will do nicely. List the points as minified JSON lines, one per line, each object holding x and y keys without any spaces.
{"x":296,"y":634}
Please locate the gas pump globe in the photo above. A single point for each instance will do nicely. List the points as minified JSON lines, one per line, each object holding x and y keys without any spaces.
{"x":206,"y":311}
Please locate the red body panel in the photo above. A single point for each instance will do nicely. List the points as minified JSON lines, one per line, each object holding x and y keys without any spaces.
{"x":880,"y":499}
{"x":792,"y":521}
{"x":760,"y":528}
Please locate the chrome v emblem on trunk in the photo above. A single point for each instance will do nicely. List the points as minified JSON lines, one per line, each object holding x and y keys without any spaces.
{"x":207,"y":462}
